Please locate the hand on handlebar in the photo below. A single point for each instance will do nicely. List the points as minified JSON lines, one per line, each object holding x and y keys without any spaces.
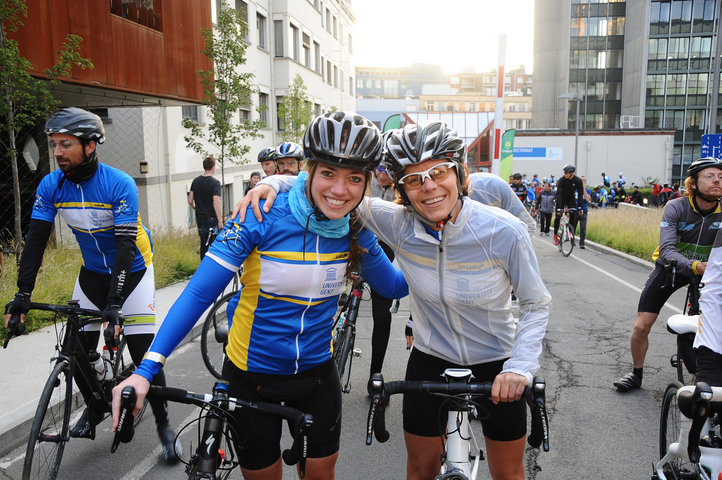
{"x":252,"y":198}
{"x":508,"y":387}
{"x":113,"y":320}
{"x":141,"y":386}
{"x":19,"y":304}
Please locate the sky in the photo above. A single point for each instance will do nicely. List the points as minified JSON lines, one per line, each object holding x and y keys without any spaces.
{"x":454,"y":33}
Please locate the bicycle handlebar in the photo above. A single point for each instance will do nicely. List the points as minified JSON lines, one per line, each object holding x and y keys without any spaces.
{"x":381,"y":392}
{"x":300,"y":422}
{"x":16,"y":327}
{"x":695,"y":403}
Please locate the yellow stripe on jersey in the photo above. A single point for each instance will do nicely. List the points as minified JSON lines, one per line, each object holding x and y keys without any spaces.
{"x":106,"y":206}
{"x":291,"y":300}
{"x":142,"y":242}
{"x":95,"y":230}
{"x":307,"y":256}
{"x":239,"y":338}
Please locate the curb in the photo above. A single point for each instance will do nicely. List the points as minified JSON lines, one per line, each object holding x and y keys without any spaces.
{"x":611,"y":251}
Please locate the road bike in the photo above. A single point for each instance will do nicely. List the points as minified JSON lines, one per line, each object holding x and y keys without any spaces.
{"x":566,"y":234}
{"x":344,"y":330}
{"x":51,"y":424}
{"x":690,"y":446}
{"x":461,"y":454}
{"x":535,"y":213}
{"x":684,"y":325}
{"x":214,"y":334}
{"x":215,"y":456}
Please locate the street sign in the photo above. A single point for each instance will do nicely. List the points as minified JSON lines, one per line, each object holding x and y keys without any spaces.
{"x":712,"y":145}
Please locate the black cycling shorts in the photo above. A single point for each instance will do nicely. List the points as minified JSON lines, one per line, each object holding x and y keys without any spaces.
{"x":425,"y":415}
{"x":709,"y":367}
{"x":653,"y":296}
{"x":316,"y":391}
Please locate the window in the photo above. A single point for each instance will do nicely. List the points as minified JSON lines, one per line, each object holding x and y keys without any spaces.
{"x":242,"y":8}
{"x":335,"y":76}
{"x":294,"y":39}
{"x":318,"y":64}
{"x":328,"y":72}
{"x":350,"y":85}
{"x":307,"y":50}
{"x":261,"y":30}
{"x":191,"y":113}
{"x":278,"y":37}
{"x":317,"y":109}
{"x":328,"y":20}
{"x":139,"y":11}
{"x":350,"y":43}
{"x":244,"y":114}
{"x":335,"y":27}
{"x":279,"y":121}
{"x":263,"y":108}
{"x":228,"y":203}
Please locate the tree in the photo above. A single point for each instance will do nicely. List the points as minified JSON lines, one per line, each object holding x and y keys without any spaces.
{"x":295,"y":111}
{"x":27,"y":99}
{"x":226,"y":90}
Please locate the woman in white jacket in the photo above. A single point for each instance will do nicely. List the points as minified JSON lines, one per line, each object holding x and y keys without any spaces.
{"x":461,"y":260}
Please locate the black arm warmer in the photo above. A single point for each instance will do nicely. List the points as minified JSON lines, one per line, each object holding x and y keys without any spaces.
{"x":35,"y":242}
{"x":125,"y":239}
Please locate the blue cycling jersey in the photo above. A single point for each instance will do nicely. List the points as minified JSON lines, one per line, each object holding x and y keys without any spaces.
{"x":92,"y":209}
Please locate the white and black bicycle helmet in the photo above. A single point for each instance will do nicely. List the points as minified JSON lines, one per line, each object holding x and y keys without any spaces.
{"x":288,"y":150}
{"x":417,"y":143}
{"x":702,"y":163}
{"x":77,"y":122}
{"x":343,"y":139}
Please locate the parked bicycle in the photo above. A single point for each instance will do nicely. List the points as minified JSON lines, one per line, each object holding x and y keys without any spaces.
{"x":344,"y":330}
{"x":566,"y":234}
{"x":215,"y":456}
{"x":690,"y":446}
{"x":49,"y":432}
{"x":462,"y":454}
{"x":684,"y":325}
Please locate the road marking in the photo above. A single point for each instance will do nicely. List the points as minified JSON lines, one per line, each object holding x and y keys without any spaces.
{"x":628,"y":285}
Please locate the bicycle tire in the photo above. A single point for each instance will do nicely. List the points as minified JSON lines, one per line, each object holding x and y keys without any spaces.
{"x":122,"y":369}
{"x":212,"y":351}
{"x":342,"y":349}
{"x":49,"y":431}
{"x":669,"y":426}
{"x":565,"y":241}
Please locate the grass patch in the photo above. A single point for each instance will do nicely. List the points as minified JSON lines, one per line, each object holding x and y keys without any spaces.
{"x":175,"y":258}
{"x":628,"y":229}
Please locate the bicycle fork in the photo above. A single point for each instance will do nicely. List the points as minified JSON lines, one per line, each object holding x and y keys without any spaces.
{"x":459,"y":462}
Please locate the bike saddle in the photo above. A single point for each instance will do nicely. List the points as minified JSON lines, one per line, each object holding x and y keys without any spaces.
{"x":680,"y":324}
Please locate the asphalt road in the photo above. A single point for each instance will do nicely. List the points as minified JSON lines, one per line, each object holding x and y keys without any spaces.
{"x":595,"y":431}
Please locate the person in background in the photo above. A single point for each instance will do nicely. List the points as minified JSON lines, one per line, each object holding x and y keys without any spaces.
{"x":636,"y":198}
{"x":255,"y":178}
{"x":586,"y":198}
{"x":569,"y":189}
{"x":289,"y":158}
{"x":552,"y":182}
{"x":606,"y":180}
{"x":545,"y":204}
{"x":265,"y":158}
{"x":621,"y":180}
{"x":688,"y":229}
{"x":518,"y":187}
{"x":656,"y":189}
{"x":603,"y":196}
{"x":665,"y":193}
{"x":205,"y":198}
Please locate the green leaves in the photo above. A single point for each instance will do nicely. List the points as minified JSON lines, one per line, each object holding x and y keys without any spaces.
{"x":295,"y":111}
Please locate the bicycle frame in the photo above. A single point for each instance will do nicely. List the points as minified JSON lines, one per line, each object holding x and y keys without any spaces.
{"x":696,"y":413}
{"x":344,"y":328}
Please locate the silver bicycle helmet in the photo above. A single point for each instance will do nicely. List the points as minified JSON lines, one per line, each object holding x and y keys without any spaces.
{"x":266,"y":154}
{"x":343,"y":139}
{"x":77,"y":122}
{"x":288,"y":150}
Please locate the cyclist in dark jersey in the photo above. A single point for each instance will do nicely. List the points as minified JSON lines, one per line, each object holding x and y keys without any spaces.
{"x":569,"y":188}
{"x":518,"y":187}
{"x":687,"y":232}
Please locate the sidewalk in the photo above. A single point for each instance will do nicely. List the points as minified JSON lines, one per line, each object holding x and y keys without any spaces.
{"x":26,"y":366}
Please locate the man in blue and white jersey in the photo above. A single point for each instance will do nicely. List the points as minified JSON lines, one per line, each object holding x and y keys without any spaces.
{"x":100,"y":205}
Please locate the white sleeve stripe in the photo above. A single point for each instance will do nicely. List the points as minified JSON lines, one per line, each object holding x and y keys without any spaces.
{"x":222,"y":263}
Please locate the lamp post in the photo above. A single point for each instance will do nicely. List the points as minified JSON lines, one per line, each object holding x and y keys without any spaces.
{"x":576,"y":98}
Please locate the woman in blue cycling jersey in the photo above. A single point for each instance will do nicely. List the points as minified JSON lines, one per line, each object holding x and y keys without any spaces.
{"x":296,"y":264}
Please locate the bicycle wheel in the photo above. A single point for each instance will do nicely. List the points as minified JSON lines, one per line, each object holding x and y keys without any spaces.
{"x":342,"y":349}
{"x":49,"y":432}
{"x":215,"y":335}
{"x":565,"y":241}
{"x":122,"y":369}
{"x":669,"y":429}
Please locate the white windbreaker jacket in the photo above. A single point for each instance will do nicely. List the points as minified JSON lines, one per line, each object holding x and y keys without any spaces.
{"x":460,"y":286}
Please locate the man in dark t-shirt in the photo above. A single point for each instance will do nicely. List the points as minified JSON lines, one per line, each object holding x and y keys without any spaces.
{"x":205,"y":198}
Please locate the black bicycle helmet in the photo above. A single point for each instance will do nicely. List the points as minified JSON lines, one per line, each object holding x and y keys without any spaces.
{"x":266,"y":154}
{"x":569,"y":169}
{"x":77,"y":122}
{"x":516,"y":176}
{"x":343,"y":139}
{"x":702,"y":163}
{"x":288,"y":150}
{"x":417,"y":143}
